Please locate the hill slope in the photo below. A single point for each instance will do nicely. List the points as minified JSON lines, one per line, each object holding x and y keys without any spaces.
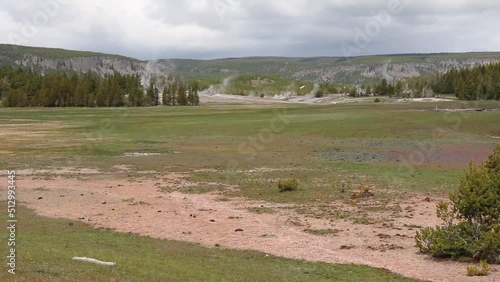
{"x":357,"y":70}
{"x":51,"y":60}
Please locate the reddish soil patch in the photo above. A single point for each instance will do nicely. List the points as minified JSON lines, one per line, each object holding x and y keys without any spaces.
{"x":459,"y":154}
{"x":139,"y":207}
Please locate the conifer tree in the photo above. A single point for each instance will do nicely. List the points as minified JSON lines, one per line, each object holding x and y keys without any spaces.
{"x":181,"y":95}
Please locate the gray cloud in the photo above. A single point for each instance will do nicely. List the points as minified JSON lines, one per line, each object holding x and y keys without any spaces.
{"x":226,"y":28}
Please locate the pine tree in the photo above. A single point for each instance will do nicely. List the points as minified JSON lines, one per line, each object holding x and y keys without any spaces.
{"x":368,"y":90}
{"x":398,"y":89}
{"x":156,"y":96}
{"x":83,"y":89}
{"x":167,"y":96}
{"x":181,"y":95}
{"x":476,"y":205}
{"x":150,"y":95}
{"x":196,"y":97}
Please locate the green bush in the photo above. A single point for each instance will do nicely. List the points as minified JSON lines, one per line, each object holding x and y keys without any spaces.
{"x":484,"y":269}
{"x":288,"y":185}
{"x":476,"y":208}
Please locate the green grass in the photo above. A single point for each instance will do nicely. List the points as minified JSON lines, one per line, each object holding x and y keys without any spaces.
{"x":45,"y":248}
{"x":320,"y":146}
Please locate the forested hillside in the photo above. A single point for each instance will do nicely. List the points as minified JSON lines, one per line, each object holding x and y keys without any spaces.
{"x":481,"y":82}
{"x":27,"y":88}
{"x":476,"y":83}
{"x":342,"y":70}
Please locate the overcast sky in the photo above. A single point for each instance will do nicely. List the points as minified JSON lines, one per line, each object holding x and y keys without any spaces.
{"x":206,"y":29}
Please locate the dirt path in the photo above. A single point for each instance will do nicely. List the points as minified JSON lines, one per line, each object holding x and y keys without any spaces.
{"x":139,"y":207}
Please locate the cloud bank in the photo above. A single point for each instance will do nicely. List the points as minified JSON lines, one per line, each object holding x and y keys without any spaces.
{"x":205,"y":29}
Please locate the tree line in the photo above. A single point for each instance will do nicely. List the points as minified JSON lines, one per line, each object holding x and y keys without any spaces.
{"x":476,"y":83}
{"x":27,"y":88}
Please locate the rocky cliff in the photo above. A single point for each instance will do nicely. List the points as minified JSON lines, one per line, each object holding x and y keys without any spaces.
{"x":357,"y":70}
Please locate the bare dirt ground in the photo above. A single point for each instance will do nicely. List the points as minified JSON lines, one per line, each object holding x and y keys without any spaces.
{"x":138,"y":206}
{"x":220,"y":99}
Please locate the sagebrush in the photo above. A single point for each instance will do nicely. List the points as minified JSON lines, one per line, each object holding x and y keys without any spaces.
{"x":288,"y":185}
{"x":475,"y":207}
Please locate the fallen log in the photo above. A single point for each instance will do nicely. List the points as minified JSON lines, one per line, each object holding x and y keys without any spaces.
{"x":91,"y":260}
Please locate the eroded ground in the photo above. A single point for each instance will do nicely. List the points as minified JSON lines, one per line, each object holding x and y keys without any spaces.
{"x":150,"y":204}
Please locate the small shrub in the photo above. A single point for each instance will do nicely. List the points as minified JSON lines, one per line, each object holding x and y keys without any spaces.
{"x":362,"y":220}
{"x":364,"y":190}
{"x":288,"y":185}
{"x":483,"y":269}
{"x":476,"y":208}
{"x":377,"y":100}
{"x":322,"y":232}
{"x":261,"y":210}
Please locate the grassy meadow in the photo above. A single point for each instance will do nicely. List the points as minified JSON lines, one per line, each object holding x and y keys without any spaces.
{"x":395,"y":145}
{"x":401,"y":149}
{"x":46,"y":246}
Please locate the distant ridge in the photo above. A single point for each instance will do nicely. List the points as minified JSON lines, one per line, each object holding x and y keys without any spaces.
{"x":357,"y":70}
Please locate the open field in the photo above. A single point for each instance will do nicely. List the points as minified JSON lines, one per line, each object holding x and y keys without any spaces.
{"x":198,"y":174}
{"x":46,"y":247}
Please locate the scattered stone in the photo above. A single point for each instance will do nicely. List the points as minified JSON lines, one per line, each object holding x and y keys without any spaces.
{"x":239,"y":230}
{"x":40,"y":198}
{"x":212,"y":220}
{"x":104,"y":203}
{"x":384,"y":236}
{"x":70,"y":224}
